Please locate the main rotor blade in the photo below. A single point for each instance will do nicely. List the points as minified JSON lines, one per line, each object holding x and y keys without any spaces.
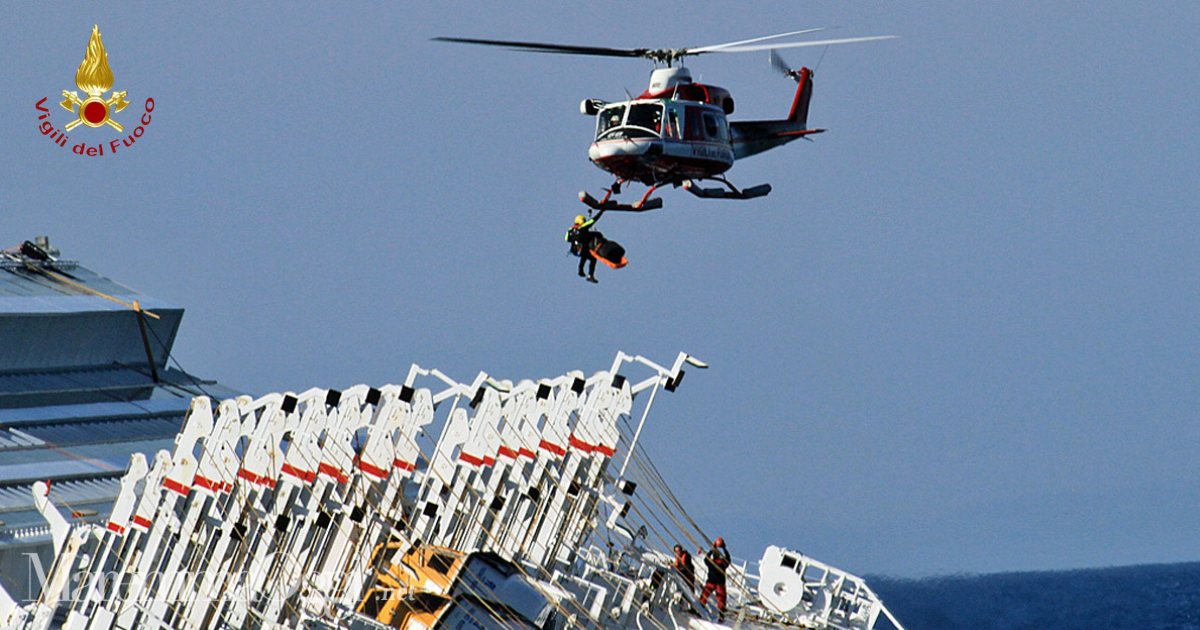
{"x":822,"y":42}
{"x":561,"y":49}
{"x":716,"y":47}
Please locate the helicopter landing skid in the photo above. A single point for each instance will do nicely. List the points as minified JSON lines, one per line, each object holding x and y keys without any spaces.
{"x":608,"y":204}
{"x":729,"y":192}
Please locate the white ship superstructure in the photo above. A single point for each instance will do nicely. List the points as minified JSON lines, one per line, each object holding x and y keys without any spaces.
{"x":432,"y":503}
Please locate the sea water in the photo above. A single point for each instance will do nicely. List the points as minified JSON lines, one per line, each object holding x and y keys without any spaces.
{"x":1149,"y":597}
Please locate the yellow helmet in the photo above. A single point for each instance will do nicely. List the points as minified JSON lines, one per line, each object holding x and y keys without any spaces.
{"x":579,"y":219}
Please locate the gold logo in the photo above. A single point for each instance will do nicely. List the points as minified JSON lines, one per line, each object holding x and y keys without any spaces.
{"x":94,"y":77}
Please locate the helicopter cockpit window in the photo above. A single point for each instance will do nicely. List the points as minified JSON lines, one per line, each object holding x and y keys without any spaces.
{"x":646,"y":116}
{"x":644,"y":121}
{"x":609,"y":118}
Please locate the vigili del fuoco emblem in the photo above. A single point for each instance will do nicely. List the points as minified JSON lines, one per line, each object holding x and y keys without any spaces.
{"x":95,"y":109}
{"x":94,"y":77}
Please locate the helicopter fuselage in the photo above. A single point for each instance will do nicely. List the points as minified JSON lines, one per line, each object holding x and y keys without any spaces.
{"x":662,"y":140}
{"x":677,"y":130}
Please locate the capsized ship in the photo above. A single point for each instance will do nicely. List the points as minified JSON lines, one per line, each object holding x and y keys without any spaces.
{"x":429,"y":503}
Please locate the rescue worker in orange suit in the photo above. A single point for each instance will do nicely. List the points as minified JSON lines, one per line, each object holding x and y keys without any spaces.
{"x":583,"y":240}
{"x":717,"y":562}
{"x":687,"y":571}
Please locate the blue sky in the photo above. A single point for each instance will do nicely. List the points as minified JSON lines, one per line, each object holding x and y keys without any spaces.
{"x":960,"y":335}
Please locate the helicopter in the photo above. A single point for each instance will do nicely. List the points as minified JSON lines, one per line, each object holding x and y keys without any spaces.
{"x":677,"y":132}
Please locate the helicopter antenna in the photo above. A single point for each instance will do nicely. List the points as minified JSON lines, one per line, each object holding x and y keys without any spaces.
{"x":819,"y":60}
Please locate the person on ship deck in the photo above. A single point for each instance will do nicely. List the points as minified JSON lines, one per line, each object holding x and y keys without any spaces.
{"x":683,"y":564}
{"x":716,"y":561}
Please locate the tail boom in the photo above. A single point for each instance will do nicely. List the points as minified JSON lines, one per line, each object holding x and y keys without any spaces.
{"x":755,"y":136}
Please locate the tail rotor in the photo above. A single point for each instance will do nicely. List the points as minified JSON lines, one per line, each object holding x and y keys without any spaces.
{"x":783,"y":68}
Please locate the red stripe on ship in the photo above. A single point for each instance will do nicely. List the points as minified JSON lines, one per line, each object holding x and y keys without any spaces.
{"x":527,"y":453}
{"x":333,"y":472}
{"x":175,"y":486}
{"x":302,"y":475}
{"x":141,"y":521}
{"x":113,"y":527}
{"x":403,"y":465}
{"x":606,"y":451}
{"x":470,"y":459}
{"x":371,"y":469}
{"x":507,"y":452}
{"x":580,"y":444}
{"x":207,"y":484}
{"x":255,"y":478}
{"x":552,"y":447}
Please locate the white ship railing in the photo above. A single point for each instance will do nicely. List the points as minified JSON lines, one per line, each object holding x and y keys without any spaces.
{"x":269,"y":510}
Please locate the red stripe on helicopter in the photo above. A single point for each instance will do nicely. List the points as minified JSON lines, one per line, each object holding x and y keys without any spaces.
{"x":298,"y":473}
{"x":113,"y":527}
{"x":580,"y":444}
{"x":333,"y":471}
{"x":552,"y":447}
{"x":700,"y":164}
{"x":371,"y":469}
{"x":403,"y":465}
{"x":801,"y":80}
{"x":798,"y":132}
{"x":175,"y":486}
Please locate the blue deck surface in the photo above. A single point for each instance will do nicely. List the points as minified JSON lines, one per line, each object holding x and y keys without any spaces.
{"x":77,"y":393}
